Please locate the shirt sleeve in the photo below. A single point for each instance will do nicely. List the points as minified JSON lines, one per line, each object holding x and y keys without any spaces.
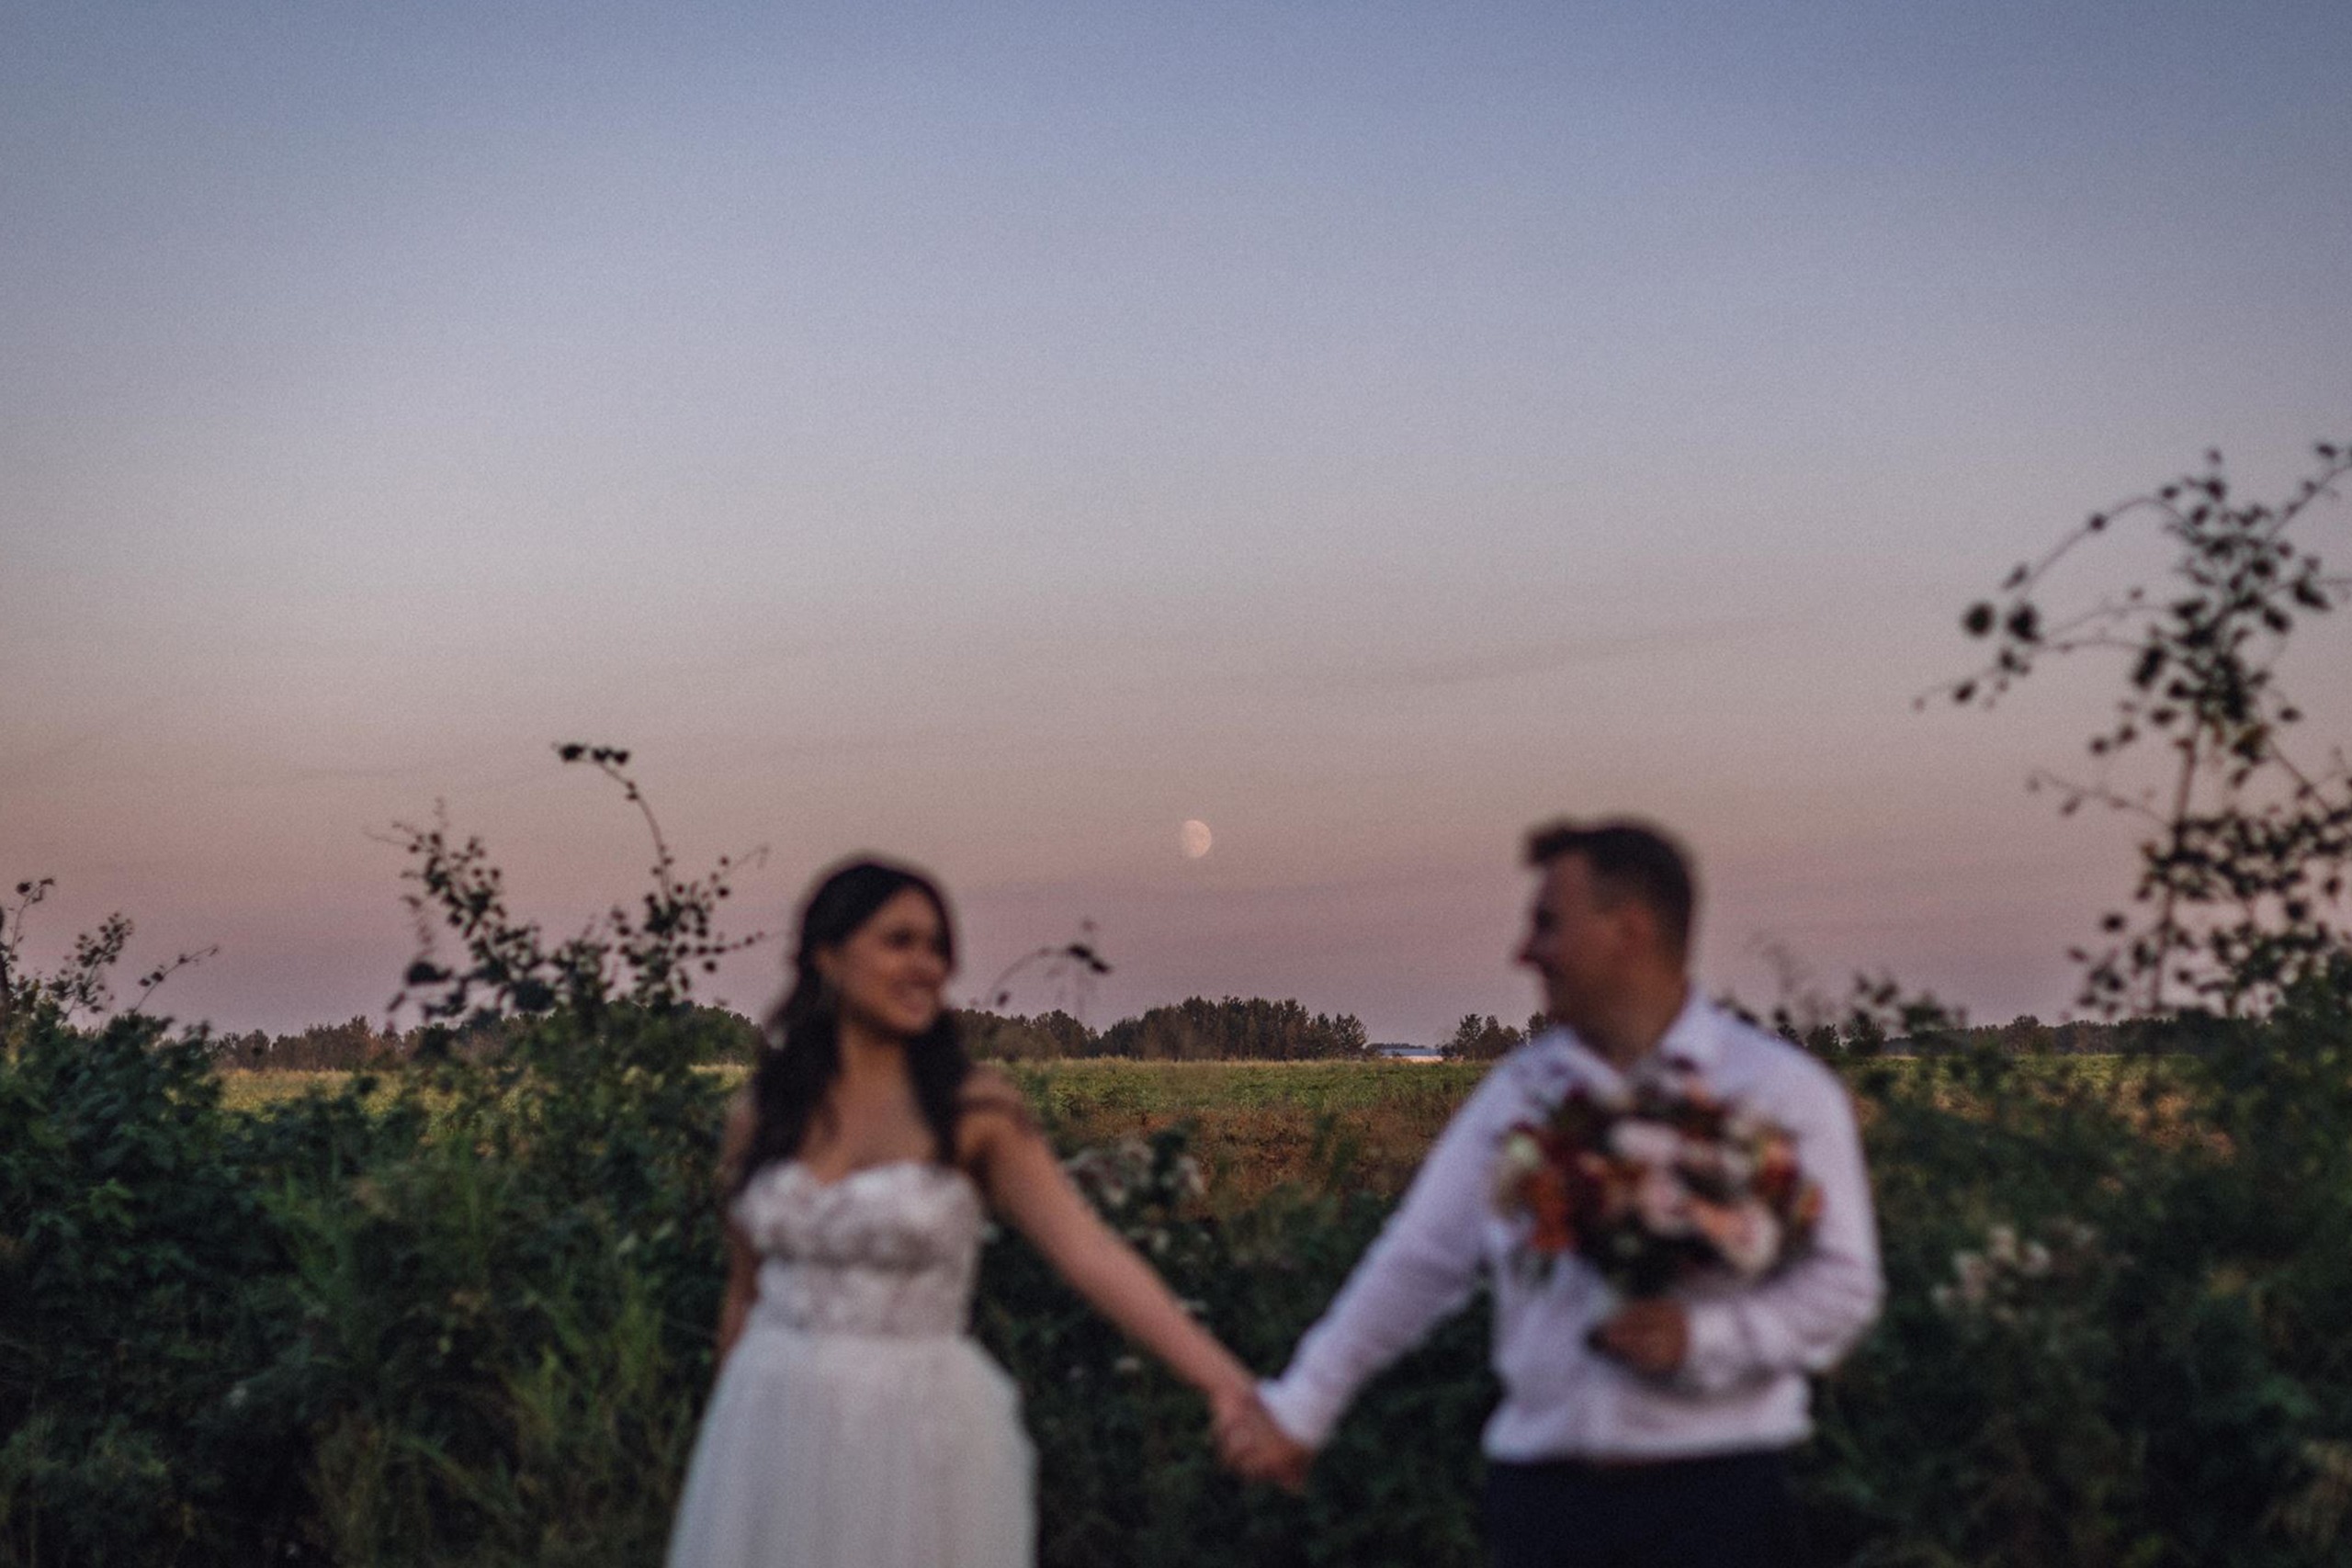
{"x":1805,"y":1318}
{"x":1422,"y":1267}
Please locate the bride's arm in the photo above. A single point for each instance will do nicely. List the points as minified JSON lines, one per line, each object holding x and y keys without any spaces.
{"x":1028,"y":1185}
{"x":743,"y":1288}
{"x":742,"y":1261}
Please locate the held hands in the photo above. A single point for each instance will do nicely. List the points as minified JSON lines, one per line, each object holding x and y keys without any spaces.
{"x":1252,"y":1446}
{"x":1650,"y":1335}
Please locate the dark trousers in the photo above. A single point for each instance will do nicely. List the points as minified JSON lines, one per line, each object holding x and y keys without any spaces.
{"x":1725,"y":1511}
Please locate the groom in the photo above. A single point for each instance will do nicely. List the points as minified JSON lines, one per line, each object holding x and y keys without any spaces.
{"x":1654,"y":1432}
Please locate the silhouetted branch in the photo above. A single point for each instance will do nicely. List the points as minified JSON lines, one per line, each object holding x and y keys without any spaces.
{"x":2251,"y":846}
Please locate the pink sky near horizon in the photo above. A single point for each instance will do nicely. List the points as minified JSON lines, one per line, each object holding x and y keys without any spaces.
{"x":995,"y":441}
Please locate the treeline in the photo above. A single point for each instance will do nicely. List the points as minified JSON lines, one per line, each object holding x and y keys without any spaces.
{"x":1194,"y":1030}
{"x":1866,"y":1033}
{"x":2024,"y":1035}
{"x":357,"y":1044}
{"x":2027,"y":1035}
{"x":323,"y":1047}
{"x":1197,"y":1029}
{"x":1478,"y":1039}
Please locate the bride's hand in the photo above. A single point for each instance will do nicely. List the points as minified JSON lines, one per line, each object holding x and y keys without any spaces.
{"x":1251,"y":1445}
{"x":1231,"y":1411}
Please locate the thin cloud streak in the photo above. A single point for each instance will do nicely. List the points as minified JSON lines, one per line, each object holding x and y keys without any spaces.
{"x":1543,"y":657}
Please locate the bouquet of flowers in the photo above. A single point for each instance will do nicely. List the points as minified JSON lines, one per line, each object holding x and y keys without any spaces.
{"x":1656,"y":1185}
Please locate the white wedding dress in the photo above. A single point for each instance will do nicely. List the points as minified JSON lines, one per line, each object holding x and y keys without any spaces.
{"x":856,"y":1425}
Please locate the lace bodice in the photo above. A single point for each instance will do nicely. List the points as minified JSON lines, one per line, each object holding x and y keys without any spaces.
{"x":887,"y":1250}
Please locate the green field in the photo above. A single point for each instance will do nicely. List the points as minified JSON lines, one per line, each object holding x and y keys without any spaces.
{"x":1256,"y":1125}
{"x":1107,"y":1083}
{"x":1081,"y":1090}
{"x":1253,"y":1124}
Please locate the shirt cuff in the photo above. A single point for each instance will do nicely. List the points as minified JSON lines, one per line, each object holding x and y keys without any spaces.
{"x":1717,"y":1354}
{"x":1303,"y":1418}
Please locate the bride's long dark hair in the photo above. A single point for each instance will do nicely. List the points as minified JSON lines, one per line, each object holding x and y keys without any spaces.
{"x":803,"y":1053}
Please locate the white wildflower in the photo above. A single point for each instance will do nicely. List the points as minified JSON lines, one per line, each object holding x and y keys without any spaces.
{"x":1646,"y":1142}
{"x":1520,"y":1157}
{"x":1975,"y":1276}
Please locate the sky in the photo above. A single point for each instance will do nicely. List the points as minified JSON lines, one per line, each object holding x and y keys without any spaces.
{"x":998,"y":435}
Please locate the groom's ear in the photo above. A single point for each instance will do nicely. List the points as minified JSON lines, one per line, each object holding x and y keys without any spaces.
{"x":1640,"y":928}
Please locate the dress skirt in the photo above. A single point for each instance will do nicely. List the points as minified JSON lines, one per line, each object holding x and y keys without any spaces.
{"x":843,"y":1450}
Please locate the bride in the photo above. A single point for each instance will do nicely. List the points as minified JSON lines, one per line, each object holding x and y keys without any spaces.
{"x":854,"y":1423}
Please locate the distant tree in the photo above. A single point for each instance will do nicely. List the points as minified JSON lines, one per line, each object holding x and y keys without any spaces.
{"x":2024,"y":1035}
{"x":1012,"y":1038}
{"x":1865,"y":1035}
{"x":1234,"y":1028}
{"x":1343,"y":1034}
{"x":354,"y":1043}
{"x":250,"y":1049}
{"x":1478,"y":1039}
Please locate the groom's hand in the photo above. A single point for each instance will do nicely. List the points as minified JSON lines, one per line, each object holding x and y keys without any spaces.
{"x":1251,"y":1445}
{"x":1650,"y":1336}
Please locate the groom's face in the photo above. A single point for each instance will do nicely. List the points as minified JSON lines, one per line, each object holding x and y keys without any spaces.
{"x":1578,"y":939}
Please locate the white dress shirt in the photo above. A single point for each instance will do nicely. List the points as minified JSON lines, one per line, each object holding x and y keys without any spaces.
{"x":1742,"y":1383}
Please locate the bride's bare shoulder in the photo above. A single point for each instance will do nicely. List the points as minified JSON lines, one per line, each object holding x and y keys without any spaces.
{"x":735,"y":1137}
{"x":988,"y":1092}
{"x":991,"y":1106}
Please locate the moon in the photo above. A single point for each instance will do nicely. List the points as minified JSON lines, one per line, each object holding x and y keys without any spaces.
{"x":1196,"y":839}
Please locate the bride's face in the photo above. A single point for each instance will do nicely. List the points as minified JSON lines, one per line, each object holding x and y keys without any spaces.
{"x":891,"y":974}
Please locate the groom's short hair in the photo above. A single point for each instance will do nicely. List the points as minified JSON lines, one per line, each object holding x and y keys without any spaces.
{"x":1629,"y":860}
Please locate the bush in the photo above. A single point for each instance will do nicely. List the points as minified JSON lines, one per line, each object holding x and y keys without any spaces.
{"x":463,"y":1315}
